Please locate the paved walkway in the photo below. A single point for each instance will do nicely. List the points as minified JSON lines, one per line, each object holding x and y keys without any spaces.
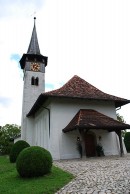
{"x":105,"y":175}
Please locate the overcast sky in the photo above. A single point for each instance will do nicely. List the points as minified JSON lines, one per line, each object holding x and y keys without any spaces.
{"x":88,"y":38}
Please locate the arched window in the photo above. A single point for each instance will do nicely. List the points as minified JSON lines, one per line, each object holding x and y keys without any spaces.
{"x":36,"y":81}
{"x":32,"y":81}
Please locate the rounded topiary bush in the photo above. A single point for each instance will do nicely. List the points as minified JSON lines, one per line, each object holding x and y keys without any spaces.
{"x":16,"y":149}
{"x":33,"y":162}
{"x":127,"y":141}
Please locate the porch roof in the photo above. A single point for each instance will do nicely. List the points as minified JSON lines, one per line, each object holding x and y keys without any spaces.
{"x":91,"y":119}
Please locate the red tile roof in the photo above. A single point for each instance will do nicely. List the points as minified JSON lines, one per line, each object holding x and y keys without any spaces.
{"x":91,"y":119}
{"x":78,"y":88}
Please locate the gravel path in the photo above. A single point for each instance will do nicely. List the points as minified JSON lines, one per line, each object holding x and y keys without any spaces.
{"x":105,"y":175}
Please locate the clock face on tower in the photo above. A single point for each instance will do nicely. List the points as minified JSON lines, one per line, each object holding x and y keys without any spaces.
{"x":35,"y":66}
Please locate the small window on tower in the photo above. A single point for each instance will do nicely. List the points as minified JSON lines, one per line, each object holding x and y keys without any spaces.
{"x":32,"y":81}
{"x":36,"y":81}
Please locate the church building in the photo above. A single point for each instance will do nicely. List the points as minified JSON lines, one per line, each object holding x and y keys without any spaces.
{"x":76,"y":112}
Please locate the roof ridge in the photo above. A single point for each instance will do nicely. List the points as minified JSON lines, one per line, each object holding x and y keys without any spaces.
{"x":61,"y":86}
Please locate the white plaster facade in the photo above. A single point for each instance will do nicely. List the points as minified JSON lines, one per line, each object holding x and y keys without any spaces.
{"x":63,"y":145}
{"x":30,"y":94}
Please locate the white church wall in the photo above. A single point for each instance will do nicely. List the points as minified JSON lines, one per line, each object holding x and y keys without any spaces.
{"x":41,"y":130}
{"x":54,"y":133}
{"x":108,"y":141}
{"x":64,"y":144}
{"x":68,"y":146}
{"x":29,"y":130}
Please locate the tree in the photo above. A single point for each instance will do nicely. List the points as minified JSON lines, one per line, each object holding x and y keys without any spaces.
{"x":121,"y":119}
{"x":7,"y":135}
{"x":12,"y":131}
{"x":127,"y":141}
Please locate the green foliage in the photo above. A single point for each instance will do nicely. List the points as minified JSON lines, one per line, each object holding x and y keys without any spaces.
{"x":123,"y":132}
{"x":7,"y":135}
{"x":16,"y":149}
{"x":127,"y":141}
{"x":11,"y":183}
{"x":121,"y":119}
{"x":34,"y":161}
{"x":12,"y":131}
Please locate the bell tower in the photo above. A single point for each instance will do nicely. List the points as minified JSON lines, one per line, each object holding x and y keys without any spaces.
{"x":33,"y":65}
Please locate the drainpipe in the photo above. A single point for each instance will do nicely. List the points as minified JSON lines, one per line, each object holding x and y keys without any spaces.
{"x":49,"y":117}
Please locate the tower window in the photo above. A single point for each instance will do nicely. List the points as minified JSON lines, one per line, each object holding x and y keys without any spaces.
{"x":32,"y":81}
{"x":35,"y":81}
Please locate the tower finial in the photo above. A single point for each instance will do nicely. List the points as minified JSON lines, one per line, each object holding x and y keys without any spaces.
{"x":34,"y":21}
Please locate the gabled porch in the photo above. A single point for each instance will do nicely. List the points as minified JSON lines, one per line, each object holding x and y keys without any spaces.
{"x":87,"y":121}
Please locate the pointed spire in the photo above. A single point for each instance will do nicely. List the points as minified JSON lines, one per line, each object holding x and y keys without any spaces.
{"x":33,"y":53}
{"x":34,"y":46}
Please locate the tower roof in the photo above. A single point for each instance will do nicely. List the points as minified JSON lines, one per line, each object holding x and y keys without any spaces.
{"x":34,"y":46}
{"x":33,"y":52}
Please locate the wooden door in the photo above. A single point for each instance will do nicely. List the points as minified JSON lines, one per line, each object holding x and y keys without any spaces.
{"x":90,"y":145}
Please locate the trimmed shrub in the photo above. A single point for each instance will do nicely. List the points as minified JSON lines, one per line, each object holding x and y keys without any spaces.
{"x":16,"y":149}
{"x":33,"y":162}
{"x":127,"y":141}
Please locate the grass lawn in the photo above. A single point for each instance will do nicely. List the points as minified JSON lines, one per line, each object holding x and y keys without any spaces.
{"x":12,"y":183}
